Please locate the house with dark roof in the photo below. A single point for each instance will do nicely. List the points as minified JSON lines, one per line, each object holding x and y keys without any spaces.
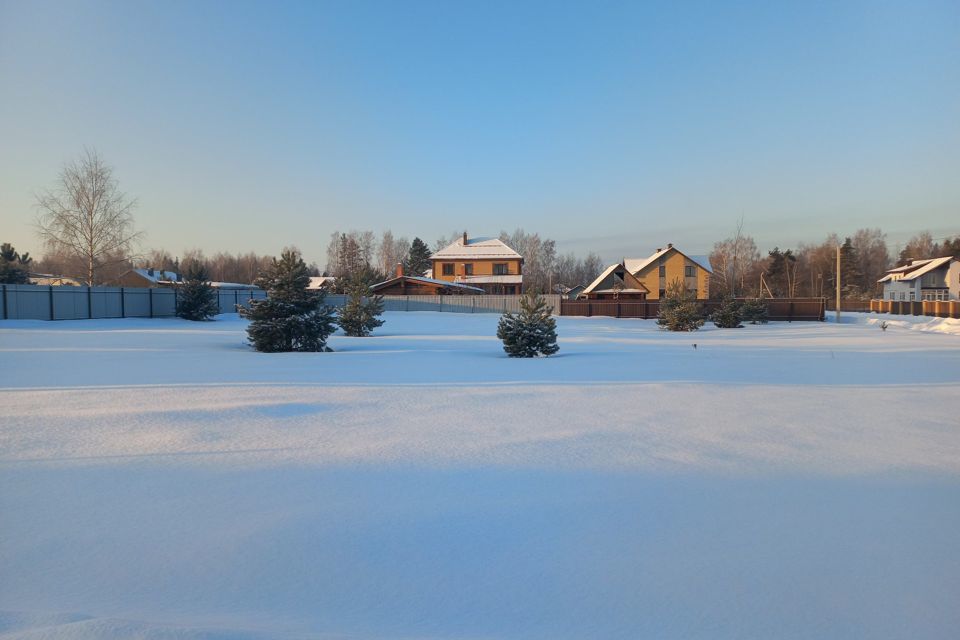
{"x":930,"y":279}
{"x":487,"y":263}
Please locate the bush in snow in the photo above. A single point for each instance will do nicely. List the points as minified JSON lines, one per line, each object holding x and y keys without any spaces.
{"x":679,"y":310}
{"x":531,"y":332}
{"x":359,"y":315}
{"x":754,"y":311}
{"x":291,"y":318}
{"x":727,"y":316}
{"x":197,"y":300}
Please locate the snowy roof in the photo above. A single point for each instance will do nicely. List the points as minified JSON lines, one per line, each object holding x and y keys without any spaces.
{"x":635,"y":265}
{"x":628,"y":279}
{"x":442,"y":283}
{"x":157,"y":275}
{"x":232,"y":285}
{"x":507,"y":279}
{"x":476,"y":249}
{"x":916,"y":268}
{"x":319,"y":281}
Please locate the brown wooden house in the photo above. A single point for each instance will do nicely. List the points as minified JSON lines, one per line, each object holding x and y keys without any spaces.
{"x":403,"y":285}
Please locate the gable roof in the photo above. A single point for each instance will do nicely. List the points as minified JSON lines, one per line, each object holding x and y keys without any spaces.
{"x":636,"y":265}
{"x":476,"y":249}
{"x":627,"y":279}
{"x":156,"y":275}
{"x":916,"y":268}
{"x":428,"y":281}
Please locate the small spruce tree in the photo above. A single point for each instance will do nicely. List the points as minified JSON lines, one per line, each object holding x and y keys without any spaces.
{"x":359,"y":315}
{"x":754,"y":311}
{"x":418,"y":259}
{"x":13,"y":266}
{"x":197,"y":300}
{"x":678,"y":309}
{"x":531,"y":332}
{"x":291,"y":318}
{"x":727,"y":316}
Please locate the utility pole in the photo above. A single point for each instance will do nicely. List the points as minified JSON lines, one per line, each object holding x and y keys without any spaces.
{"x":838,"y":284}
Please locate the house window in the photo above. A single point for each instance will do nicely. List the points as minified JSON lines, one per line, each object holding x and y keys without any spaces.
{"x":903,"y":296}
{"x":468,"y":269}
{"x":663,"y":292}
{"x":663,"y":271}
{"x":447,"y":269}
{"x":913,"y":296}
{"x":893,"y":296}
{"x":690,"y":272}
{"x":500,"y":269}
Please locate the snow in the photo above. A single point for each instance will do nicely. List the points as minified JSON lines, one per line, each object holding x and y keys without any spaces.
{"x":158,"y":479}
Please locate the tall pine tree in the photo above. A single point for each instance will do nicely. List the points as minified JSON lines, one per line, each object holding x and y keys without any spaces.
{"x":291,"y":318}
{"x":197,"y":300}
{"x":531,"y":332}
{"x":418,"y":260}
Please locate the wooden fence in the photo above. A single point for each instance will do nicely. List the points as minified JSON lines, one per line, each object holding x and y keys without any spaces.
{"x":933,"y":308}
{"x":778,"y":309}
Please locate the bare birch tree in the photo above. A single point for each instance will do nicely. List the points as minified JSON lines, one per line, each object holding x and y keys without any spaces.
{"x":86,"y":215}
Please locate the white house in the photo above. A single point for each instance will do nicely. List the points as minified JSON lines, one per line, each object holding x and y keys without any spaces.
{"x":930,"y":279}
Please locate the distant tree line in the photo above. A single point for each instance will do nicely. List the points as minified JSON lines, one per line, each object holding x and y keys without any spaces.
{"x":810,"y":270}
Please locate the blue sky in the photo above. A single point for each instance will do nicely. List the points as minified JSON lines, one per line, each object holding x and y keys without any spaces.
{"x":613,"y":127}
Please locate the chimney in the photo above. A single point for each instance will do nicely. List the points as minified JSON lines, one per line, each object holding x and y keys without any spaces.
{"x":150,"y":271}
{"x":659,"y":249}
{"x":399,"y":269}
{"x":669,"y":245}
{"x":464,"y":238}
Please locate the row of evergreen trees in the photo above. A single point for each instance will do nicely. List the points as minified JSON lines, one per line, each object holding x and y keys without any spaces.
{"x":292,"y":317}
{"x":680,"y":311}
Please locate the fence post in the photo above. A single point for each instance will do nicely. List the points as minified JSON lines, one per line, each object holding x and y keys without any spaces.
{"x":589,"y":309}
{"x":618,"y":308}
{"x":51,"y":301}
{"x":89,"y":303}
{"x":123,"y":303}
{"x":6,"y":314}
{"x":150,"y":293}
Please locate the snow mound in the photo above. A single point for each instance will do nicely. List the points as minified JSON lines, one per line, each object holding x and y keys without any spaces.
{"x":925,"y":324}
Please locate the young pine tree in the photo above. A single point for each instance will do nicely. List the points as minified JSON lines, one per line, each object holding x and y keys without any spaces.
{"x":13,"y":266}
{"x":531,"y":332}
{"x":754,"y":311}
{"x":678,"y":309}
{"x":197,"y":300}
{"x":727,"y":316}
{"x":418,"y":259}
{"x":291,"y":318}
{"x":359,"y":315}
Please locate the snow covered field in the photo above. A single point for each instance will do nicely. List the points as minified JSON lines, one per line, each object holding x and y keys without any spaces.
{"x":158,"y":479}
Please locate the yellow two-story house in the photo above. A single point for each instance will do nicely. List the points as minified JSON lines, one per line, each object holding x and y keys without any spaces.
{"x":648,"y":278}
{"x":487,"y":263}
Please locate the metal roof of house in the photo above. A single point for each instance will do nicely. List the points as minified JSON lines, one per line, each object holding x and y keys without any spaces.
{"x":592,"y":287}
{"x":156,"y":275}
{"x":476,"y":249}
{"x":636,"y":265}
{"x":916,"y":268}
{"x":442,"y":283}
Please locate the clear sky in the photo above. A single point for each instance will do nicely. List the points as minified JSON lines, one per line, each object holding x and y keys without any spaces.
{"x":614,"y":127}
